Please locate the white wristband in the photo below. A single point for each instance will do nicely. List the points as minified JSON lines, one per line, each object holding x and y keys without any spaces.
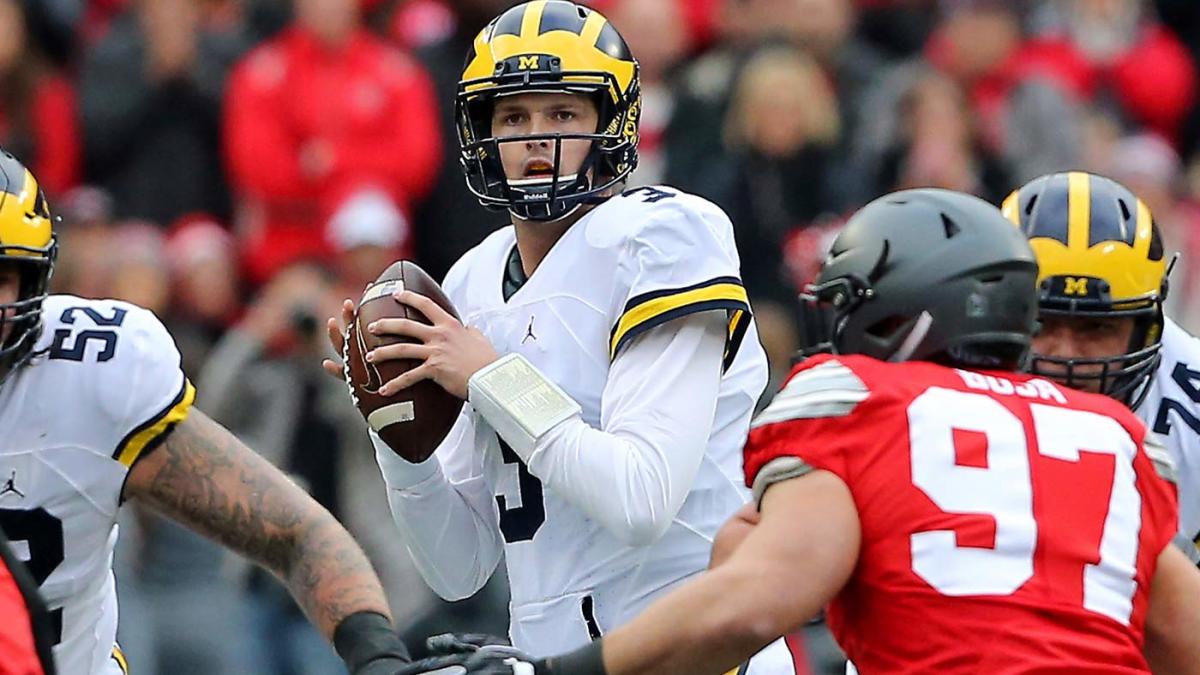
{"x":519,"y":402}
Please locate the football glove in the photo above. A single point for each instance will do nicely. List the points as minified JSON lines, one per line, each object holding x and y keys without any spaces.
{"x":483,"y":654}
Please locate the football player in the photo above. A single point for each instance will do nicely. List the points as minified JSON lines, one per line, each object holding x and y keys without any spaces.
{"x":608,"y":353}
{"x":1101,"y":289}
{"x":95,"y":410}
{"x":954,"y":515}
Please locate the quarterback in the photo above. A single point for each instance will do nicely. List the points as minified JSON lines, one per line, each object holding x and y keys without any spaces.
{"x":954,"y":516}
{"x":619,"y":313}
{"x":1101,"y":289}
{"x":95,"y":410}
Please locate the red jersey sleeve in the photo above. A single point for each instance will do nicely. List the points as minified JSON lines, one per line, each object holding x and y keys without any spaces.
{"x":805,"y":426}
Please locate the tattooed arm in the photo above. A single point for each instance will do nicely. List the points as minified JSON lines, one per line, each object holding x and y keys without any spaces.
{"x":206,"y":479}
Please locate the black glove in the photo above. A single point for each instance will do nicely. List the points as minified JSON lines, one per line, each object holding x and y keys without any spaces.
{"x":500,"y":660}
{"x":482,"y":654}
{"x":462,"y":643}
{"x":369,"y":645}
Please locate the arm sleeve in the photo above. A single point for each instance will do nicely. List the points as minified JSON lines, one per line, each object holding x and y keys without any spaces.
{"x":446,"y":510}
{"x":657,"y":409}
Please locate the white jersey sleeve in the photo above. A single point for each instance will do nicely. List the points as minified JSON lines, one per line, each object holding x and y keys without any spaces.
{"x":444,"y":506}
{"x":158,"y":394}
{"x":633,"y":473}
{"x":680,"y":259}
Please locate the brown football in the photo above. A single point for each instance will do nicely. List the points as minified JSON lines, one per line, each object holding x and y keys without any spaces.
{"x":415,"y":420}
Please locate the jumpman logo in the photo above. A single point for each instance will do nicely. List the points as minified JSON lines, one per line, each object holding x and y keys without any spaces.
{"x":529,"y":332}
{"x":10,"y":485}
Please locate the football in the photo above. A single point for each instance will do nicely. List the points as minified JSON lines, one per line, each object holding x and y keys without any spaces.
{"x":415,"y":420}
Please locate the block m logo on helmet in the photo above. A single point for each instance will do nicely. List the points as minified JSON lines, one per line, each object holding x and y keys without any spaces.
{"x":528,"y":62}
{"x":1075,"y":286}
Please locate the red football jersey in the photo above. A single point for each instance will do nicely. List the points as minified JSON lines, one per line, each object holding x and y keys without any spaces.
{"x":1009,"y":525}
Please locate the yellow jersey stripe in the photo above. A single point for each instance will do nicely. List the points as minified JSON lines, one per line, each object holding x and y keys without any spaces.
{"x":146,"y":434}
{"x":652,"y":309}
{"x":119,"y":657}
{"x":1079,"y":209}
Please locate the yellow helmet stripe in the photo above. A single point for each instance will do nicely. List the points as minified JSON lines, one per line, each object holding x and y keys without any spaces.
{"x":592,"y":27}
{"x":1079,"y":207}
{"x":1143,"y":235}
{"x":1011,"y":207}
{"x":531,"y":23}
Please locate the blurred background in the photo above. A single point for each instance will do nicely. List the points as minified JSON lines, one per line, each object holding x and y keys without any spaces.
{"x":239,"y":166}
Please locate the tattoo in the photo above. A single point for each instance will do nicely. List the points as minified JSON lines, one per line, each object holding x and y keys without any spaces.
{"x":206,"y":479}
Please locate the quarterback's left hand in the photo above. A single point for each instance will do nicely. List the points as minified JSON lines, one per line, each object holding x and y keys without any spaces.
{"x":451,"y":352}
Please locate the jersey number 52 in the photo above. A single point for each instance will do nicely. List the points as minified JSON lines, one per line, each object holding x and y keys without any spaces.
{"x":1004,"y":490}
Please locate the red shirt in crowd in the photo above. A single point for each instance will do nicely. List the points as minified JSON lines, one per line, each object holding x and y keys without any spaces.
{"x":308,"y":124}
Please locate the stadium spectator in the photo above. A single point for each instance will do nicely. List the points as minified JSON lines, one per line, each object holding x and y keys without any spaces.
{"x":823,"y":29}
{"x":84,"y":262}
{"x":150,"y":99}
{"x":781,"y":132}
{"x":939,"y":146}
{"x":206,"y":293}
{"x":319,"y":112}
{"x":263,"y":381}
{"x":37,"y":105}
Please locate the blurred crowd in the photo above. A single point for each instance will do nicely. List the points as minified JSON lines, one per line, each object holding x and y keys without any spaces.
{"x":240,"y":166}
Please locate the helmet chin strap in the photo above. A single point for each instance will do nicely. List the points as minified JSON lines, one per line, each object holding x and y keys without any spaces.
{"x":566,"y":214}
{"x":914,"y":338}
{"x":523,"y":185}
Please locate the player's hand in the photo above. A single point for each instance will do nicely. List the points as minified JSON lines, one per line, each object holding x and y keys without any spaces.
{"x":462,"y":643}
{"x":499,"y":661}
{"x":733,"y":532}
{"x":451,"y":352}
{"x":337,"y":338}
{"x":482,"y":654}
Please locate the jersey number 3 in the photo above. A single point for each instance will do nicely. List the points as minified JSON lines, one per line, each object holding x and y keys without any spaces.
{"x":1004,"y":490}
{"x":522,"y":514}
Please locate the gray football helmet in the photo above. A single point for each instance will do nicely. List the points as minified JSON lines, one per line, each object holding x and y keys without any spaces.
{"x":928,"y":275}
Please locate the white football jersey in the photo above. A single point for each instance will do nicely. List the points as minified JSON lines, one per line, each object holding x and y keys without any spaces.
{"x":104,"y":388}
{"x":1172,"y":410}
{"x":633,"y":263}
